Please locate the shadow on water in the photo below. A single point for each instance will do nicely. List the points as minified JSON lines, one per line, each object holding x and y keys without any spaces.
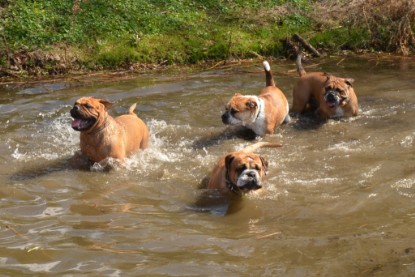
{"x":310,"y":121}
{"x":226,"y":134}
{"x":75,"y":162}
{"x":215,"y":202}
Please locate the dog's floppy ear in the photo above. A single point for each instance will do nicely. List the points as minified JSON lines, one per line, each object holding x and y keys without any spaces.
{"x":349,"y":81}
{"x":228,"y":161}
{"x":264,"y":164}
{"x":107,"y":104}
{"x":237,"y":94}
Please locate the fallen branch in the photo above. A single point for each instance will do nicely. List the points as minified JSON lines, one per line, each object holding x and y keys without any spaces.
{"x":269,"y":235}
{"x":306,"y":45}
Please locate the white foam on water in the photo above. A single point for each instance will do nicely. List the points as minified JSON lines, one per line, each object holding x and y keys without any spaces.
{"x":378,"y":113}
{"x":35,"y":267}
{"x":347,"y":147}
{"x":159,"y":151}
{"x":311,"y":182}
{"x":51,"y":212}
{"x":329,"y":196}
{"x":165,"y":156}
{"x":367,"y":175}
{"x":405,"y":187}
{"x":408,"y":141}
{"x":371,"y":172}
{"x":51,"y":139}
{"x":269,"y":191}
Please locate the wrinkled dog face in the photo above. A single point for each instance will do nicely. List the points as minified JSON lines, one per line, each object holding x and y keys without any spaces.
{"x":337,"y":91}
{"x":240,"y":110}
{"x":246,"y":170}
{"x":86,"y":112}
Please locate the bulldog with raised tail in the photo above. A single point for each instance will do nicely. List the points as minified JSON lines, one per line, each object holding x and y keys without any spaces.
{"x":103,"y":136}
{"x":239,"y":172}
{"x":263,"y":113}
{"x":326,"y":95}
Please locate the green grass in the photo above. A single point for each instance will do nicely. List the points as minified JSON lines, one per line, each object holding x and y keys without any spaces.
{"x":112,"y":34}
{"x":342,"y":38}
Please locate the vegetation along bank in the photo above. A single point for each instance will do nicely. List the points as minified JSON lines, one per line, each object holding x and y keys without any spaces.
{"x":53,"y":37}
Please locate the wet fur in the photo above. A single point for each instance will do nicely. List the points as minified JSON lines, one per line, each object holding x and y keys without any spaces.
{"x":228,"y":164}
{"x":263,"y":113}
{"x":110,"y":137}
{"x":310,"y":90}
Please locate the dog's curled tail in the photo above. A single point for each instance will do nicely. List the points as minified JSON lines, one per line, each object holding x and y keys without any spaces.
{"x":132,"y":108}
{"x":300,"y":68}
{"x":255,"y":146}
{"x":268,"y":75}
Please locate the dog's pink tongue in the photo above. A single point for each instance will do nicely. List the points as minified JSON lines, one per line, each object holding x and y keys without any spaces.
{"x":76,"y":123}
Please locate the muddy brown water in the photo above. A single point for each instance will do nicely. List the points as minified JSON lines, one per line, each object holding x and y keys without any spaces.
{"x":338,"y":200}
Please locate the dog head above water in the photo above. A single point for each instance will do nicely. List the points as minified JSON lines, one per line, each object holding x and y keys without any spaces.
{"x":88,"y":112}
{"x":244,"y":171}
{"x":337,"y":91}
{"x":241,"y":110}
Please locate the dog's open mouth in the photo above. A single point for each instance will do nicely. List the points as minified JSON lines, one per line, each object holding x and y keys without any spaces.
{"x":81,"y":124}
{"x":251,"y":183}
{"x":331,"y":104}
{"x":250,"y":186}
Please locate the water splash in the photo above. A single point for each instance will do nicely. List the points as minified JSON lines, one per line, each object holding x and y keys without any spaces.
{"x":405,"y":187}
{"x":408,"y":141}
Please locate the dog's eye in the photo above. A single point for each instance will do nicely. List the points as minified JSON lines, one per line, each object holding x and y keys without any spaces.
{"x":233,"y":111}
{"x":240,"y":169}
{"x":257,"y":168}
{"x":342,"y":93}
{"x":250,"y":104}
{"x":88,"y":106}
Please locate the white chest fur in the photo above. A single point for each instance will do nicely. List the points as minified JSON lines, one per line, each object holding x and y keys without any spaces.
{"x":339,"y":112}
{"x":259,"y":125}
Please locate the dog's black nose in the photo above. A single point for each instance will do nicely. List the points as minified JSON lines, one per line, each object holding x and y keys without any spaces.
{"x":331,"y":97}
{"x":225,"y":118}
{"x":250,"y":174}
{"x":74,"y":111}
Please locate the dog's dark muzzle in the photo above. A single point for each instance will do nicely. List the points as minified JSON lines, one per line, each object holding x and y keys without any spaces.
{"x":251,"y":185}
{"x":332,"y":99}
{"x":252,"y":182}
{"x":75,"y":112}
{"x":225,"y":117}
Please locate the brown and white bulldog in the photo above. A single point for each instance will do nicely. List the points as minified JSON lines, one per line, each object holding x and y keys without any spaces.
{"x":326,"y":95}
{"x":239,"y":172}
{"x":103,"y":136}
{"x":262,"y":114}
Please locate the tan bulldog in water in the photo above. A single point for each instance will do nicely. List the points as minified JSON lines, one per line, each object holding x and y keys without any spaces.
{"x":263,"y":113}
{"x":239,"y":172}
{"x":103,"y":136}
{"x":325,"y":94}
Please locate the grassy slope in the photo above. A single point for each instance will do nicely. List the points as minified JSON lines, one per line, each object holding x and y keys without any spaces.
{"x":76,"y":34}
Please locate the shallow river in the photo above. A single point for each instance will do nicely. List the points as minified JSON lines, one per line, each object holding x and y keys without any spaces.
{"x":338,"y":200}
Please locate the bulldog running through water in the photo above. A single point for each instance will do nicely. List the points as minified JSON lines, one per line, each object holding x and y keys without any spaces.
{"x":239,"y":172}
{"x":262,"y":114}
{"x":328,"y":96}
{"x":103,"y":136}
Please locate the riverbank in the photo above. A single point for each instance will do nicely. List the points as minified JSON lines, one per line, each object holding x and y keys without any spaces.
{"x":82,"y":37}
